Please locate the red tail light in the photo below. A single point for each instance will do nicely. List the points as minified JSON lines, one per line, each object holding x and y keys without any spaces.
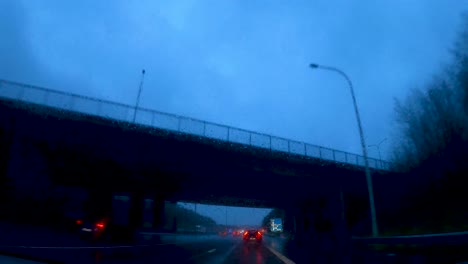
{"x":100,"y":225}
{"x":259,"y":234}
{"x":246,"y":233}
{"x":79,"y":222}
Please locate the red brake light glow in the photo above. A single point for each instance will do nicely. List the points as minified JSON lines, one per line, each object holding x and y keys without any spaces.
{"x":100,"y":225}
{"x":246,"y":233}
{"x":79,"y":222}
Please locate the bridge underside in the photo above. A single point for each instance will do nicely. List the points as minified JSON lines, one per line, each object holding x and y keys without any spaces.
{"x":94,"y":152}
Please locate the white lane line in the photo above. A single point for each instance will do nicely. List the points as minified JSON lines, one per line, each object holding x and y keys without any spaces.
{"x":175,"y":234}
{"x":201,"y":254}
{"x":221,"y":258}
{"x":35,"y":247}
{"x":95,"y":247}
{"x":280,"y":256}
{"x":231,"y":250}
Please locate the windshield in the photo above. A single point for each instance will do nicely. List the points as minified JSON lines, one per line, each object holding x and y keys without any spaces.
{"x":162,"y":131}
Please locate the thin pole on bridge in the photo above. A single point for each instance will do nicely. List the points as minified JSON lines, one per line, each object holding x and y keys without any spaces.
{"x":139,"y":94}
{"x":378,"y":149}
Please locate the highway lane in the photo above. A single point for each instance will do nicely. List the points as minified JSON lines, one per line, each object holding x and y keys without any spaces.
{"x":216,"y":249}
{"x":208,"y":249}
{"x":251,"y":253}
{"x":150,"y":249}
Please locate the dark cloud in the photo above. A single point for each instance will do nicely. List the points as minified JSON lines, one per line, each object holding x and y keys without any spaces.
{"x":18,"y":52}
{"x":238,"y":63}
{"x":17,"y":56}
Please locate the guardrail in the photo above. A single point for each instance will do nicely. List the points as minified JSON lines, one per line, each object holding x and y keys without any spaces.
{"x":430,"y":239}
{"x":181,"y":124}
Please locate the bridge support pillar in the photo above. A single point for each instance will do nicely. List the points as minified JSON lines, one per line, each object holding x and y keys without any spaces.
{"x":295,"y":222}
{"x":136,"y":212}
{"x":146,"y":211}
{"x":6,"y":149}
{"x":318,"y":226}
{"x":159,"y":215}
{"x":332,"y":236}
{"x":99,"y":202}
{"x":290,"y":221}
{"x":24,"y":180}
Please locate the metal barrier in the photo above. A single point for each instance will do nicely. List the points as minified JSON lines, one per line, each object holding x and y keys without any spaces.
{"x":156,"y":119}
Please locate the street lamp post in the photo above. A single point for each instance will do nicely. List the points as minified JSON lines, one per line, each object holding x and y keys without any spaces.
{"x":378,"y":149}
{"x":363,"y":145}
{"x":139,"y":94}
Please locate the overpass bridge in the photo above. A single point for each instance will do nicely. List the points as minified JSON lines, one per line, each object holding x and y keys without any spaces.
{"x":114,"y":148}
{"x":126,"y":114}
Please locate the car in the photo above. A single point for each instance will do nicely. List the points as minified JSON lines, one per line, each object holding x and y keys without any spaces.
{"x":94,"y":229}
{"x":252,"y":236}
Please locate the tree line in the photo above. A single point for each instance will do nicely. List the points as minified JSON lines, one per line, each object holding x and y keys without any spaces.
{"x":433,"y":144}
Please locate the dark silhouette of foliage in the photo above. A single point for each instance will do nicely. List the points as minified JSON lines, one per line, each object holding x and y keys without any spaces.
{"x":434,"y":116}
{"x":433,"y":123}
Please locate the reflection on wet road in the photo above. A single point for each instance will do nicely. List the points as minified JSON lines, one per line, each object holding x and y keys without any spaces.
{"x":252,"y":253}
{"x":165,"y":249}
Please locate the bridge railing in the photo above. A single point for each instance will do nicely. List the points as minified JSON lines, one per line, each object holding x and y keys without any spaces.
{"x":156,"y":119}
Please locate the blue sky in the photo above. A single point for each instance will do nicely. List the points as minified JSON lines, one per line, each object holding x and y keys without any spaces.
{"x":239,"y":63}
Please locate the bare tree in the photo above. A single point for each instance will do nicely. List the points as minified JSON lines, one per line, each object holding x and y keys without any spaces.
{"x":434,"y":116}
{"x":433,"y":144}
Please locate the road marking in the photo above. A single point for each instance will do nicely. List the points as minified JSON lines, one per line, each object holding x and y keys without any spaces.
{"x":174,"y":234}
{"x":231,"y":250}
{"x":163,"y":234}
{"x":201,"y":254}
{"x":103,"y":247}
{"x":280,"y":256}
{"x":95,"y":247}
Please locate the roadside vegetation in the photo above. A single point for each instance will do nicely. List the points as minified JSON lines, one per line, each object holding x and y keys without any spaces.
{"x":433,"y":148}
